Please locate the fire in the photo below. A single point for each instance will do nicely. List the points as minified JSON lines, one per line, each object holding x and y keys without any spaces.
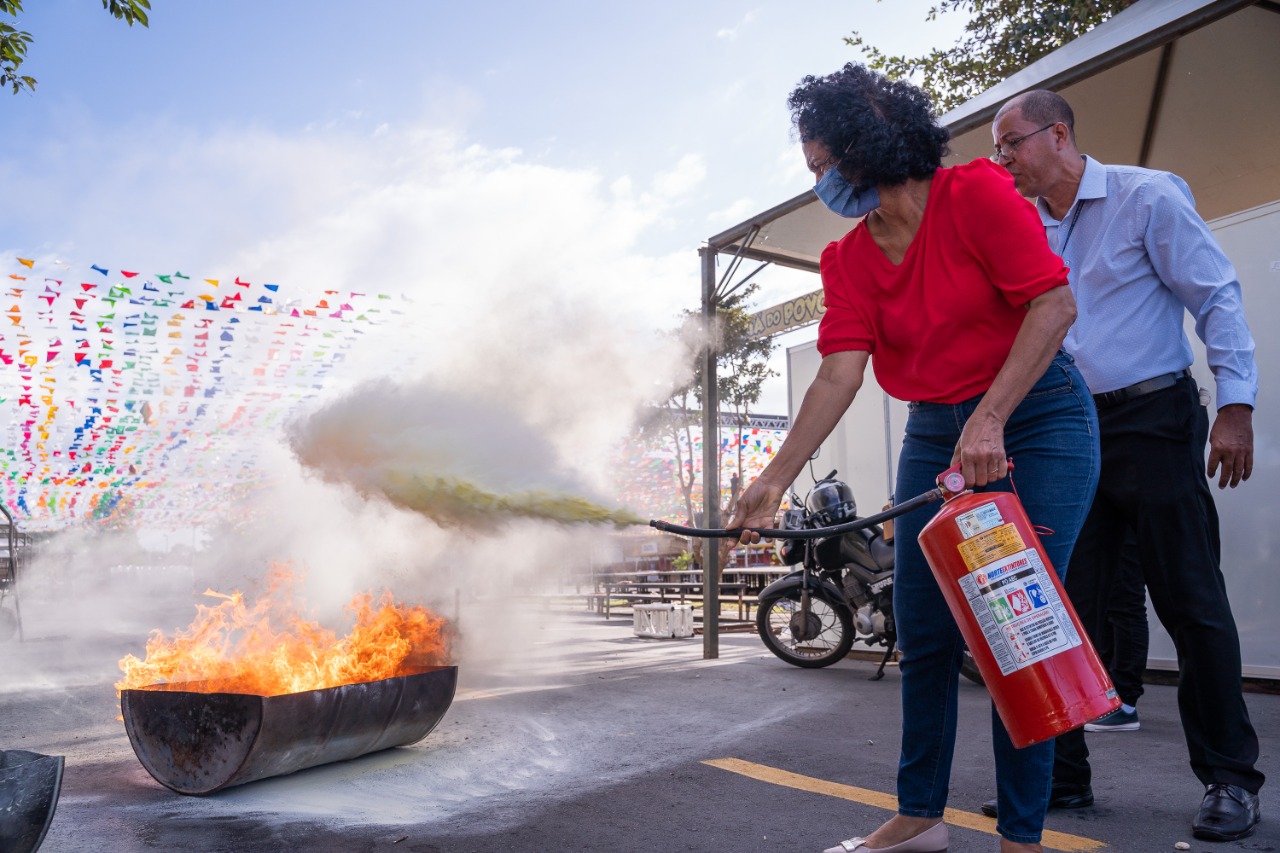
{"x":268,"y":647}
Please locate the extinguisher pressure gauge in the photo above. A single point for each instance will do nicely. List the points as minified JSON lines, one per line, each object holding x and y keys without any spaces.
{"x":952,"y":481}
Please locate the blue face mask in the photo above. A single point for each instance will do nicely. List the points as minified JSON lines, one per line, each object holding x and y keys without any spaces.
{"x":843,"y":198}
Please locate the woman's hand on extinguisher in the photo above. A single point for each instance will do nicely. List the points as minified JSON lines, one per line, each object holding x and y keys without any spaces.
{"x":980,"y":451}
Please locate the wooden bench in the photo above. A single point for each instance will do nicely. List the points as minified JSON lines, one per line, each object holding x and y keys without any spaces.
{"x":621,"y":588}
{"x":661,"y":592}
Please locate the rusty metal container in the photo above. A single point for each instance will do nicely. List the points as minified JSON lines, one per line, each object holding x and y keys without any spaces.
{"x":29,"y":788}
{"x":194,"y":740}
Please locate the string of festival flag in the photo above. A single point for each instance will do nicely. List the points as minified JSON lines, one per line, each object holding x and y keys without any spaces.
{"x":647,"y":479}
{"x":123,"y":392}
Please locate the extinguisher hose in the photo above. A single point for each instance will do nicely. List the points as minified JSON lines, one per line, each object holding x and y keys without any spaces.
{"x":802,"y":533}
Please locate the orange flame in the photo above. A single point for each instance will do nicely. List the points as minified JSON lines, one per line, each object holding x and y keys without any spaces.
{"x":269,"y":648}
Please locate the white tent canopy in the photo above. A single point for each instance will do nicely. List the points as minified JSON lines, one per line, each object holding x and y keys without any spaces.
{"x":1185,"y":85}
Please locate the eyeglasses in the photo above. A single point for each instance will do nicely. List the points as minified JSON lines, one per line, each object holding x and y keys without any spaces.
{"x":820,"y":169}
{"x":1006,"y":150}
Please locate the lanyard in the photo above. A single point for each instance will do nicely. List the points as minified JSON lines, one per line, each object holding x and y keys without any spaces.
{"x":1071,"y":229}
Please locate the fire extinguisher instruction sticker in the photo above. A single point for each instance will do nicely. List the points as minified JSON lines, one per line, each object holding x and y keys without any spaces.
{"x":979,"y":519}
{"x":1018,"y":608}
{"x":990,"y":546}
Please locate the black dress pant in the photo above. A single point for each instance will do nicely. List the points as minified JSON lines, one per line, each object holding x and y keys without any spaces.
{"x":1125,"y":639}
{"x":1153,"y":481}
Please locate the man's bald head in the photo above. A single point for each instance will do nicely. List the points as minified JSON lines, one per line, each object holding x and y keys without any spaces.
{"x":1035,"y":141}
{"x":1041,"y":107}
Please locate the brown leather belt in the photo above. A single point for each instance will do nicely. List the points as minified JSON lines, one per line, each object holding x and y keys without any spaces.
{"x":1139,"y":389}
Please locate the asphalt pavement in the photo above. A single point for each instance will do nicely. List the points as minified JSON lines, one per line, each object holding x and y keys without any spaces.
{"x":579,"y":736}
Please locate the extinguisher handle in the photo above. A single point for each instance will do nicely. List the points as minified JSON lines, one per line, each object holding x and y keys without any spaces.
{"x":951,"y":481}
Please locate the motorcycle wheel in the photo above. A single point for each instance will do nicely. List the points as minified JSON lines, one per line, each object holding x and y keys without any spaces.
{"x":819,"y":640}
{"x":969,"y":669}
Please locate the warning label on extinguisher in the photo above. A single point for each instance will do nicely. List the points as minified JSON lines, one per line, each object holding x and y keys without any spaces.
{"x":1017,"y":605}
{"x":985,"y":548}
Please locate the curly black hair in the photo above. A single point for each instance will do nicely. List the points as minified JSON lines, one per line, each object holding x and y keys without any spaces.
{"x":883,"y":131}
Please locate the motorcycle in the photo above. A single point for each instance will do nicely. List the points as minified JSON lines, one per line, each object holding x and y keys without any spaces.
{"x":841,"y":594}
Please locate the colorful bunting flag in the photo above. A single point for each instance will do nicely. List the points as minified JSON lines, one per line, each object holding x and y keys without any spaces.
{"x":92,"y":432}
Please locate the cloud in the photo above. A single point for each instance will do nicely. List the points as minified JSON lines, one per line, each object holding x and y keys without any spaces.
{"x":416,"y":209}
{"x":731,"y":33}
{"x":676,"y":183}
{"x":790,"y":170}
{"x":734,"y":213}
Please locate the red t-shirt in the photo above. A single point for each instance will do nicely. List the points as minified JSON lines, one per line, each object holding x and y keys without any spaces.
{"x":939,"y":325}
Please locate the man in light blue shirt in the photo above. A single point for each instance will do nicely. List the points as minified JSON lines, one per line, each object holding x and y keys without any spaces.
{"x":1140,"y":256}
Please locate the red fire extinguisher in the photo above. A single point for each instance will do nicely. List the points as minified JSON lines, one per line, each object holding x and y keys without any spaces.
{"x":1039,"y":666}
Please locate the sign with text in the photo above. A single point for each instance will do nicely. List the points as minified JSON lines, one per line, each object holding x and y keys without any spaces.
{"x":801,"y":311}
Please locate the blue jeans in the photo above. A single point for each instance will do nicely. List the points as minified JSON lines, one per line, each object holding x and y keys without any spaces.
{"x":1052,"y":438}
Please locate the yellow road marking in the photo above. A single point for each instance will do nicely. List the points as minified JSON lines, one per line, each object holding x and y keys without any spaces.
{"x":1051,"y":840}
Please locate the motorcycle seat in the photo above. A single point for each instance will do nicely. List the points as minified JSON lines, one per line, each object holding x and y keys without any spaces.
{"x":881,"y":551}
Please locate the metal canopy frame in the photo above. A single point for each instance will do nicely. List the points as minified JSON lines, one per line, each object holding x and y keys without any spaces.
{"x":792,"y":234}
{"x":1143,"y":42}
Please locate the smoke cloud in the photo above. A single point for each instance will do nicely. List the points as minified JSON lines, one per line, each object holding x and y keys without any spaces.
{"x":452,"y":458}
{"x":526,"y":342}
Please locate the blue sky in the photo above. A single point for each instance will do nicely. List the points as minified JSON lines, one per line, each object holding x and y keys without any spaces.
{"x":492,"y":160}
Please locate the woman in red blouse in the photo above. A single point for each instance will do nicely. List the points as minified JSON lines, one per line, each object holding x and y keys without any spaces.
{"x":949,"y":290}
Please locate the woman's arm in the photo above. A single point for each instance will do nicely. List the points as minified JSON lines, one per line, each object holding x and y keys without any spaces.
{"x":833,"y":389}
{"x":980,"y":451}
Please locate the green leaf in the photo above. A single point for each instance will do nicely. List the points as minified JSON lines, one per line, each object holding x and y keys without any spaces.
{"x":1001,"y":37}
{"x":14,"y":43}
{"x":129,"y":11}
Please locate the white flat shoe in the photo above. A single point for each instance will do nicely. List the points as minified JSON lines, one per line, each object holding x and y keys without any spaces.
{"x":933,"y":840}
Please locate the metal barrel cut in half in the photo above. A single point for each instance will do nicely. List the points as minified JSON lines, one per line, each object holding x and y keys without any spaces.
{"x":29,"y":788}
{"x":195,"y":740}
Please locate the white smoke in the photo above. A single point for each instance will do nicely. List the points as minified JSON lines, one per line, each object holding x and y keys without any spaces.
{"x":528,"y":339}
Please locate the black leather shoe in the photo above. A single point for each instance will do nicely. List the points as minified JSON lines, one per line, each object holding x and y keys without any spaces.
{"x":1062,"y":795}
{"x":1227,"y":813}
